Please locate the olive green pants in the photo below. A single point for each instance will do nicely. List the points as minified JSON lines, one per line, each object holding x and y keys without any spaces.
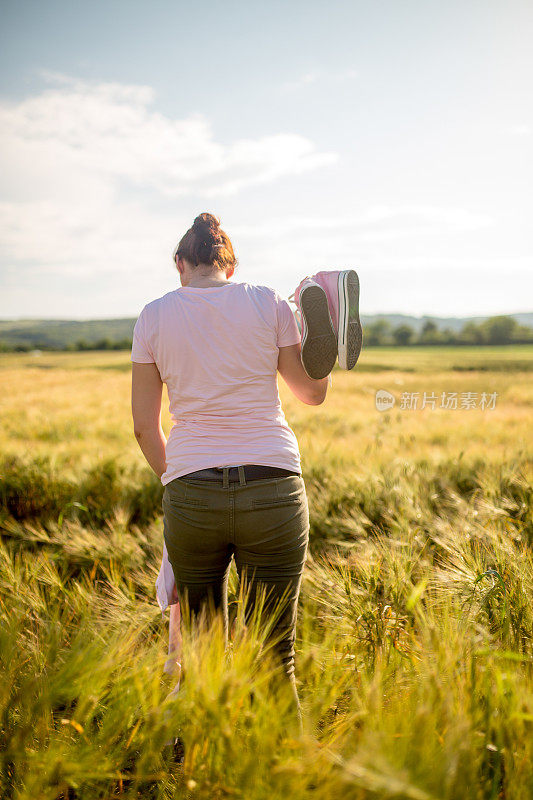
{"x":262,"y":524}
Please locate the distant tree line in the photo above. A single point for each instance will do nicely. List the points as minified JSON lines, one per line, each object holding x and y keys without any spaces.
{"x":494,"y":330}
{"x":80,"y":344}
{"x":101,"y":344}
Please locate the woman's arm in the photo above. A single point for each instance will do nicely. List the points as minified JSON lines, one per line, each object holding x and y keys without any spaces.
{"x":309,"y":390}
{"x":146,"y":393}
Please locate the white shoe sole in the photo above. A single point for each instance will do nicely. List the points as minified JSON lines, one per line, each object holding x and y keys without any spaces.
{"x":350,"y":336}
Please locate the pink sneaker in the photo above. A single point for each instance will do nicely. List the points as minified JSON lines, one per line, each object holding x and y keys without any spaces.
{"x":319,"y":342}
{"x":342,"y":290}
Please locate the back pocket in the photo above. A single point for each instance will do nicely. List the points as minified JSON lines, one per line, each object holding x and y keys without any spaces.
{"x":288,"y":491}
{"x":278,"y":501}
{"x":179,"y":497}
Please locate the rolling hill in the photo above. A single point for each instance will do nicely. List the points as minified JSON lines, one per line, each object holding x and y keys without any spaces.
{"x":61,"y":333}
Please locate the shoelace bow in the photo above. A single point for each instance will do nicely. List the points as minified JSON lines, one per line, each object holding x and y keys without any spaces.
{"x":291,"y":296}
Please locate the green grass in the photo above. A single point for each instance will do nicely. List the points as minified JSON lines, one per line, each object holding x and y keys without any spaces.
{"x":427,"y":359}
{"x":414,"y":643}
{"x":412,"y":359}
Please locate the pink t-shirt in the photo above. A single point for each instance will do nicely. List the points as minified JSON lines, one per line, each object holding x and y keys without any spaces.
{"x":217,"y":351}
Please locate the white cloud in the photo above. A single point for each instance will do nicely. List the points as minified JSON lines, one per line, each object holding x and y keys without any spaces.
{"x":378,"y":222}
{"x":298,"y":83}
{"x":520,"y":129}
{"x":82,"y":165}
{"x":319,"y":75}
{"x":109,"y":130}
{"x":421,"y":219}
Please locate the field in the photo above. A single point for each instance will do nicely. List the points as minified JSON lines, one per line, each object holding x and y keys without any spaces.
{"x":414,"y":647}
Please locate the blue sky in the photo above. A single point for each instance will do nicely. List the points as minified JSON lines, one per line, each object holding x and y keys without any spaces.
{"x":391,"y":137}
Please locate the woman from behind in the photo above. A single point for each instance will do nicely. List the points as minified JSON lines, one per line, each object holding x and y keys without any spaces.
{"x":231,"y":469}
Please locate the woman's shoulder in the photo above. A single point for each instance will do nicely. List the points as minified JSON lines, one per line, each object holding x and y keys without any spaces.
{"x":262,"y":292}
{"x":151,"y":307}
{"x":268,"y":292}
{"x":153,"y":310}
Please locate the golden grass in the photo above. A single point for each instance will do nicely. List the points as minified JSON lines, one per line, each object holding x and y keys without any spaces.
{"x":415,"y":634}
{"x":77,"y":406}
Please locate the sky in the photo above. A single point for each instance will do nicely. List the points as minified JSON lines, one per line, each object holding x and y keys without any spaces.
{"x":394,"y":138}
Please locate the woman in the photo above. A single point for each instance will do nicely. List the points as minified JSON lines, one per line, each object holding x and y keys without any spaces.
{"x":231,"y":470}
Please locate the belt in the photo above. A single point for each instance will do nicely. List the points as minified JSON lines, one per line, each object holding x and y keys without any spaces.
{"x":252,"y":472}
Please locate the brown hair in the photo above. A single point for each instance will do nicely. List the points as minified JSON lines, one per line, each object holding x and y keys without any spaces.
{"x":206,"y":243}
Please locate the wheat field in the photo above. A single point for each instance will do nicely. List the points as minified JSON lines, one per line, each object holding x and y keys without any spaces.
{"x":414,"y":643}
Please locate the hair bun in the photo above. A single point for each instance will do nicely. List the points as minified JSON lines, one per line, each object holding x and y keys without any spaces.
{"x":206,"y":224}
{"x":206,"y":243}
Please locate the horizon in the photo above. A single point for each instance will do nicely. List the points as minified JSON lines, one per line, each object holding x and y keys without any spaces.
{"x":363,"y":314}
{"x":394,"y":140}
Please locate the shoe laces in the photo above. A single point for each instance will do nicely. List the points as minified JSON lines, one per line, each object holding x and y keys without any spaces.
{"x":291,"y":296}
